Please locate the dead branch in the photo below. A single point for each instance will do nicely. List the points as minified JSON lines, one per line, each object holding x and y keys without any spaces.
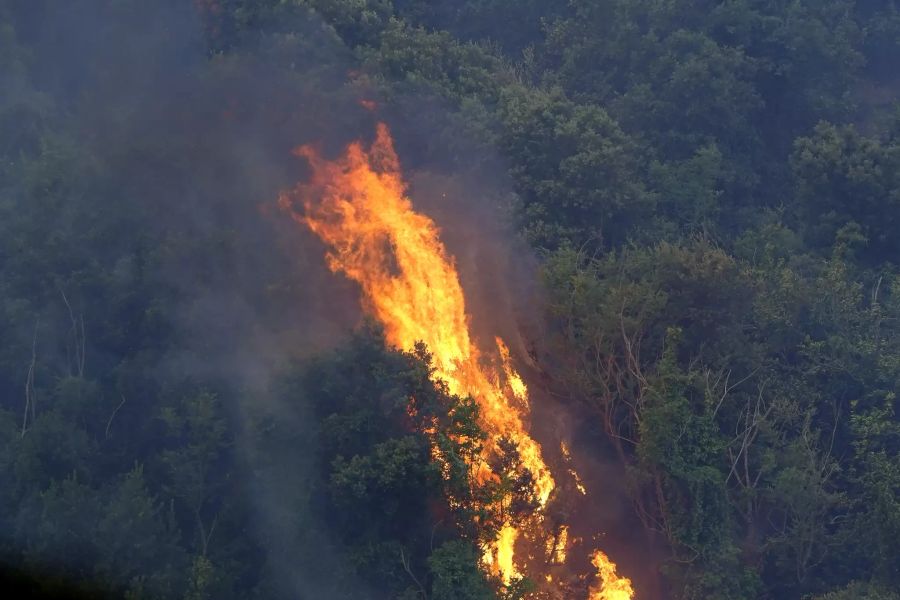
{"x":751,"y":423}
{"x":30,"y":399}
{"x":726,"y":389}
{"x":405,"y":562}
{"x":113,"y":416}
{"x":78,"y":336}
{"x":205,"y":536}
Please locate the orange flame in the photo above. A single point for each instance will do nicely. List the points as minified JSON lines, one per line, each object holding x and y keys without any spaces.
{"x":357,"y":204}
{"x":610,"y":586}
{"x":558,"y":546}
{"x":579,"y":485}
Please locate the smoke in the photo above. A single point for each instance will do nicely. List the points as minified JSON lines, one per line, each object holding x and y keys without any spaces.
{"x":462,"y":185}
{"x":198,"y":146}
{"x":202,"y":145}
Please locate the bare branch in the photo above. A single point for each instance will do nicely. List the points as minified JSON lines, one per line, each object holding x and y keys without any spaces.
{"x":30,"y":399}
{"x":78,"y":337}
{"x":405,"y":562}
{"x":113,"y":416}
{"x":205,"y":536}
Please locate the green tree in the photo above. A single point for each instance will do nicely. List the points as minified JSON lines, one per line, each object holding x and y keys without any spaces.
{"x":454,"y":569}
{"x":575,"y":171}
{"x":845,"y":178}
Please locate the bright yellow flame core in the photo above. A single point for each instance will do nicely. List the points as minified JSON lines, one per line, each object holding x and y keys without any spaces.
{"x":559,"y":546}
{"x":609,"y":586}
{"x":358,"y":206}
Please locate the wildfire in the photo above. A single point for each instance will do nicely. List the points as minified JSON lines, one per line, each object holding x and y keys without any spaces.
{"x":610,"y":586}
{"x":579,"y":485}
{"x":357,"y":204}
{"x":558,"y":545}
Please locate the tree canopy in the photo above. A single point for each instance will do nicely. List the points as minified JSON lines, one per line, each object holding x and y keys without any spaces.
{"x":712,"y":190}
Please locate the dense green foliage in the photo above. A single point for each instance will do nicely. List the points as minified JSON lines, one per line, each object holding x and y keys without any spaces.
{"x":713,"y":188}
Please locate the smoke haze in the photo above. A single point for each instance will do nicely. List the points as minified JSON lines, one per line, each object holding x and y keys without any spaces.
{"x":201,"y":146}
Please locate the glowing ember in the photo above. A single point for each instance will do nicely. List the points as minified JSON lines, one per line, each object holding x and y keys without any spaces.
{"x":357,"y":205}
{"x":579,"y":485}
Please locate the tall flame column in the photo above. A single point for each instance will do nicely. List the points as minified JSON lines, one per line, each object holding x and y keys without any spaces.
{"x":357,"y":204}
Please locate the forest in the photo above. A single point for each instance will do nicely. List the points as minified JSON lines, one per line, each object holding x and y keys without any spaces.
{"x":681,"y":215}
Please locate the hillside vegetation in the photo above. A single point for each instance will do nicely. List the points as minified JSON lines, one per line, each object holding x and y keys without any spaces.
{"x":712,"y":189}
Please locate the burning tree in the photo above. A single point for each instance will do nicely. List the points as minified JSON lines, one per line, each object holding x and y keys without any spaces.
{"x":357,"y":204}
